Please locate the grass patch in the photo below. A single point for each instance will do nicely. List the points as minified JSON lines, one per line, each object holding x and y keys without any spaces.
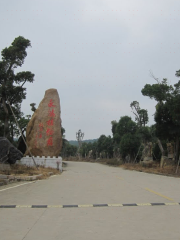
{"x":23,"y":170}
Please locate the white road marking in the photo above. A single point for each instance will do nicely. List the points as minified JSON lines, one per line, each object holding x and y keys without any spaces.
{"x":16,"y":186}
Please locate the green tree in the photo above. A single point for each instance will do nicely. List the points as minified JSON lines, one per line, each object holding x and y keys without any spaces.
{"x":68,"y":149}
{"x":105,"y":144}
{"x":157,"y":152}
{"x":126,"y":125}
{"x":141,"y":115}
{"x":13,"y":130}
{"x":160,"y":91}
{"x":145,"y":134}
{"x":85,"y":148}
{"x":101,"y":143}
{"x":128,"y":135}
{"x":116,"y":136}
{"x":63,"y":132}
{"x":94,"y":149}
{"x":11,"y":84}
{"x":129,"y":145}
{"x":114,"y":126}
{"x":64,"y":141}
{"x":167,"y":116}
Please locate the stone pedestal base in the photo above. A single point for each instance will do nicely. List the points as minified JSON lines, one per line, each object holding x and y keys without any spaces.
{"x":42,"y":161}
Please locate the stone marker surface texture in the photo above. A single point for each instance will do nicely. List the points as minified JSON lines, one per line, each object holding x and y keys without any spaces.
{"x":43,"y":133}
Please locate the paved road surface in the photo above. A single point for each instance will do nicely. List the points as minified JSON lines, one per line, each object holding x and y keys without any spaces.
{"x":85,"y":184}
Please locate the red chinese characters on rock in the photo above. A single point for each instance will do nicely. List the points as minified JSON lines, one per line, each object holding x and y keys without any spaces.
{"x":50,"y":123}
{"x":49,"y":132}
{"x":40,"y":130}
{"x":51,"y":113}
{"x":50,"y":142}
{"x":38,"y":134}
{"x":50,"y":104}
{"x":41,"y":127}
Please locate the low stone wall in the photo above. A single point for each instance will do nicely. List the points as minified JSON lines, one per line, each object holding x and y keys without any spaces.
{"x":53,"y":162}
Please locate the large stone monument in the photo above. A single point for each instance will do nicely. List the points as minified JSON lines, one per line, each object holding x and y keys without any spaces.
{"x":43,"y":133}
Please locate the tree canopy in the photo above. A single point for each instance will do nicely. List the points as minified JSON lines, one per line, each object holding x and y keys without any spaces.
{"x":126,"y":125}
{"x":167,"y":116}
{"x":12,"y":84}
{"x":141,"y":115}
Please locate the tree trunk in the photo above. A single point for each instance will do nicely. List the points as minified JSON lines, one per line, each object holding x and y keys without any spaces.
{"x":162,"y":152}
{"x":177,"y":148}
{"x":130,"y":158}
{"x":6,"y":125}
{"x":12,"y":133}
{"x":160,"y":146}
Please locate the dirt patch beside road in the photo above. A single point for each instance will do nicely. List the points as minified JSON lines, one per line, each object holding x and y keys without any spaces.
{"x":22,"y":170}
{"x":154,"y":168}
{"x":167,"y":170}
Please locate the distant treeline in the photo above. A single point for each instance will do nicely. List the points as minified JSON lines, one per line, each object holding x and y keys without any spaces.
{"x":75,"y":143}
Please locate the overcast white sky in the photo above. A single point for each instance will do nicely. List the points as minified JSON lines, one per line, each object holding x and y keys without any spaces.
{"x":96,"y":53}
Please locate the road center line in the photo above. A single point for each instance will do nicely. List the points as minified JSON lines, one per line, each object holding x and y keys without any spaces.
{"x":170,"y":199}
{"x":16,"y":186}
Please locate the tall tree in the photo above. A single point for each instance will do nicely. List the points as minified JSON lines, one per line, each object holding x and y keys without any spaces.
{"x":126,"y":125}
{"x":68,"y":149}
{"x":141,"y":115}
{"x":114,"y":125}
{"x":129,"y":145}
{"x":11,"y":84}
{"x":167,"y":116}
{"x":105,"y":144}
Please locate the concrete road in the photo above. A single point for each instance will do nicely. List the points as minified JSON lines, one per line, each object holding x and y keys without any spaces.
{"x":85,"y":184}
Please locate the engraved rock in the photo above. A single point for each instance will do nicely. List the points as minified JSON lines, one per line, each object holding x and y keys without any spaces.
{"x":43,"y":133}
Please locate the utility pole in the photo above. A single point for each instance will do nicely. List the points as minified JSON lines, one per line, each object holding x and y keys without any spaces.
{"x":79,"y":137}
